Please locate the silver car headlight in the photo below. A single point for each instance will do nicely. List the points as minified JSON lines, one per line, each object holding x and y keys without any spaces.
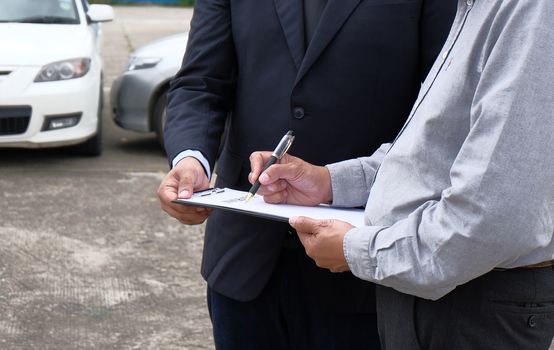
{"x":136,"y":63}
{"x":64,"y":70}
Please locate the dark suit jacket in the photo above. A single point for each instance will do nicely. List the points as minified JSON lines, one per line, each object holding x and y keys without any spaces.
{"x":346,"y":93}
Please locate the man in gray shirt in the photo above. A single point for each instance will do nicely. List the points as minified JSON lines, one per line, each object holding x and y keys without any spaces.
{"x":459,"y":208}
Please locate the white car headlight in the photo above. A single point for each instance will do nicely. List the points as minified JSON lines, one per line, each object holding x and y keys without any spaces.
{"x":64,"y":70}
{"x":136,"y":63}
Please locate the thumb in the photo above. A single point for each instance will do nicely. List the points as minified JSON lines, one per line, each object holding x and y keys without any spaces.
{"x":191,"y":177}
{"x":307,"y":230}
{"x":186,"y":184}
{"x":304,"y":224}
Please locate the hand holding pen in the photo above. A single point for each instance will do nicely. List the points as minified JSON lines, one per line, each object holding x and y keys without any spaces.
{"x":291,"y":181}
{"x":277,"y":154}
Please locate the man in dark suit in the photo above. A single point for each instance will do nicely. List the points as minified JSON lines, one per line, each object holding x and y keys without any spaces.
{"x":328,"y":69}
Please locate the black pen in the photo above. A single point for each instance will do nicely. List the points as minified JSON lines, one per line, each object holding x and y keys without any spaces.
{"x":277,"y":154}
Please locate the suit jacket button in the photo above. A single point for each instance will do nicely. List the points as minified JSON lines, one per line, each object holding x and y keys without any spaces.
{"x":532,"y":321}
{"x":298,"y":112}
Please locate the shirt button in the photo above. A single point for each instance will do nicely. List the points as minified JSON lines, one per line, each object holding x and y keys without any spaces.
{"x":445,"y":55}
{"x":298,"y":112}
{"x":469,"y":2}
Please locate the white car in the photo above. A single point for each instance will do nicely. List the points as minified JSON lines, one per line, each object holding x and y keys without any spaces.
{"x":51,"y":74}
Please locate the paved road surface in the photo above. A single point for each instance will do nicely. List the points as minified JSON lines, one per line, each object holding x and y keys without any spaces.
{"x":88,"y":260}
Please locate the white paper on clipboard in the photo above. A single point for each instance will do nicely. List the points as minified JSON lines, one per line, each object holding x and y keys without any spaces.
{"x":233,"y":200}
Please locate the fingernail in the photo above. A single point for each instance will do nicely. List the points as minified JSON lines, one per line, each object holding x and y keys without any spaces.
{"x":292,"y":220}
{"x":184,"y":193}
{"x":250,"y":176}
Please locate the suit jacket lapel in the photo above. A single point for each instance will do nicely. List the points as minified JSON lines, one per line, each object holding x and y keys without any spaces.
{"x":290,"y":14}
{"x":335,"y":14}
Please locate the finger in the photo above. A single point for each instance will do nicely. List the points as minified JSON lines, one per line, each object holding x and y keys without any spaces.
{"x":257,"y":163}
{"x":197,"y":220}
{"x":168,"y":189}
{"x":178,"y":209}
{"x":276,"y":198}
{"x":277,"y":186}
{"x":189,"y":218}
{"x":339,"y":269}
{"x":285,"y":171}
{"x":167,"y":193}
{"x":305,"y":224}
{"x":187,"y":210}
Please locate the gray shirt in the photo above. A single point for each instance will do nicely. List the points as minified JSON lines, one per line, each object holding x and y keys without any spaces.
{"x":468,"y":184}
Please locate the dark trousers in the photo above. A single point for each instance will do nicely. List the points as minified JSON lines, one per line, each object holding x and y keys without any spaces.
{"x":284,"y":317}
{"x":509,"y":309}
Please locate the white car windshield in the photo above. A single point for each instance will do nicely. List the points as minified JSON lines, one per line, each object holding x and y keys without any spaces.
{"x":39,"y":11}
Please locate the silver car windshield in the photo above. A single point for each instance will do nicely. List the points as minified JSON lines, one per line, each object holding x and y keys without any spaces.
{"x":39,"y":11}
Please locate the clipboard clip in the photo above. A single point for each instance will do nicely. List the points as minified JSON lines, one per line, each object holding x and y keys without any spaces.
{"x":210,"y":191}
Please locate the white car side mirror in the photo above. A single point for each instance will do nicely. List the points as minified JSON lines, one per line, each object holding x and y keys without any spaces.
{"x":100,"y":13}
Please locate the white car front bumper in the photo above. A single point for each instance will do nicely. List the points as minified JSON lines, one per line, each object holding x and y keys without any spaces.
{"x":46,"y":100}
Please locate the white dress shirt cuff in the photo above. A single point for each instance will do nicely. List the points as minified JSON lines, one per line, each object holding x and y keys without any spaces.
{"x":195,"y":154}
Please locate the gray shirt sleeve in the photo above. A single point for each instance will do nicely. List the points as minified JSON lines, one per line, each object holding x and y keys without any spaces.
{"x":500,"y":202}
{"x":351,"y":179}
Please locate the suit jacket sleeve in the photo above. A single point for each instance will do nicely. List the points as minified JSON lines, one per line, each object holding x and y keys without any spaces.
{"x":436,"y":20}
{"x":201,"y":94}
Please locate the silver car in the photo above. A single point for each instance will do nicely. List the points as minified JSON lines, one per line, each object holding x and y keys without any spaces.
{"x":138,"y":94}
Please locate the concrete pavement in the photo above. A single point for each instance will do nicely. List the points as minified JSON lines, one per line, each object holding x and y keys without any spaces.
{"x":88,"y":260}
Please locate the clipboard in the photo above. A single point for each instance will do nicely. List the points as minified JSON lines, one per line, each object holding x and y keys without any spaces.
{"x":234,"y":201}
